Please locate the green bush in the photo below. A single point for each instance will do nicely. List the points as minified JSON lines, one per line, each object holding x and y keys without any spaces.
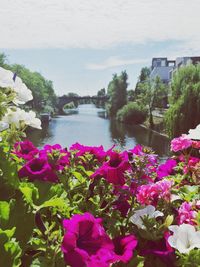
{"x":184,"y":111}
{"x":132,"y":113}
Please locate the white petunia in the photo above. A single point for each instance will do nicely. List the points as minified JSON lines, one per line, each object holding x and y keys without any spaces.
{"x":6,"y":78}
{"x":184,"y":238}
{"x":23,"y":94}
{"x":149,"y":211}
{"x":194,"y":133}
{"x":17,"y":115}
{"x":3,"y":126}
{"x":31,"y":120}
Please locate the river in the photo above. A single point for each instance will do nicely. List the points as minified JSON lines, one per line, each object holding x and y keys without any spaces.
{"x":89,"y":126}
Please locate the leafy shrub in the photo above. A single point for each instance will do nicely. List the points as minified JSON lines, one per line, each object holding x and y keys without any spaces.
{"x":132,"y":113}
{"x":184,"y":111}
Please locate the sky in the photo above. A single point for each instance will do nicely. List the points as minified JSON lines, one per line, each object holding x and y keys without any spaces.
{"x":80,"y":44}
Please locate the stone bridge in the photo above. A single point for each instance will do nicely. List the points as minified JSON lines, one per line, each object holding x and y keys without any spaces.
{"x":63,"y":100}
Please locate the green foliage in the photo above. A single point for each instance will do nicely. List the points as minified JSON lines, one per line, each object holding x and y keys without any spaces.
{"x":191,"y":259}
{"x":151,"y":93}
{"x":132,"y":113}
{"x":117,"y":92}
{"x":184,"y":111}
{"x":69,"y":106}
{"x":10,"y":252}
{"x":2,"y":59}
{"x":42,"y":89}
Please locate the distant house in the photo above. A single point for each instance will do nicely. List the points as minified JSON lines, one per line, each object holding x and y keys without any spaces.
{"x":184,"y":61}
{"x":165,"y":69}
{"x":162,"y":67}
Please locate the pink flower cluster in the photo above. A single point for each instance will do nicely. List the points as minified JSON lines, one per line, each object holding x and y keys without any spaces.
{"x":97,"y":151}
{"x":41,"y":164}
{"x":187,"y":213}
{"x":180,"y":143}
{"x":114,"y":169}
{"x":150,"y":194}
{"x":86,"y":243}
{"x":166,"y":168}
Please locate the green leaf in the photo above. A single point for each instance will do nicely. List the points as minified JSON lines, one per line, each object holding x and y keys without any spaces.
{"x":10,"y":251}
{"x":78,"y":176}
{"x":29,"y":192}
{"x":4,"y":212}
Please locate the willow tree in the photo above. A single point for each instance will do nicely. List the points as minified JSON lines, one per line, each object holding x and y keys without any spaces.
{"x":151,"y":94}
{"x":184,"y":111}
{"x":117,"y":92}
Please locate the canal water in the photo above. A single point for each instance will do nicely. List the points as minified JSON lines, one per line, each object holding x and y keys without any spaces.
{"x":88,"y":125}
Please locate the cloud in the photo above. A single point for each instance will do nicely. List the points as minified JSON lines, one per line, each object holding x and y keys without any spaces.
{"x":115,"y":62}
{"x":97,"y":24}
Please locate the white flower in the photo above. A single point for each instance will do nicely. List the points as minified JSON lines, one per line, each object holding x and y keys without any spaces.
{"x":31,"y":120}
{"x":17,"y":115}
{"x":149,"y":211}
{"x":6,"y":78}
{"x":23,"y":94}
{"x":3,"y":126}
{"x":184,"y":238}
{"x":194,"y":133}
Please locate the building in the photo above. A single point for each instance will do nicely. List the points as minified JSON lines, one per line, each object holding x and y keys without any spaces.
{"x":165,"y":69}
{"x":162,"y":67}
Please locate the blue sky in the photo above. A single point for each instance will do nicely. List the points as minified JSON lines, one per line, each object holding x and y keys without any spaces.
{"x":80,"y":44}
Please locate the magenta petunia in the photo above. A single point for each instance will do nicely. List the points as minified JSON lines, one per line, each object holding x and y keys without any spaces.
{"x":122,"y":206}
{"x":85,"y":242}
{"x":38,"y":169}
{"x":159,"y":249}
{"x":97,"y":151}
{"x":180,"y":143}
{"x":57,"y":156}
{"x":25,"y":150}
{"x":115,"y":169}
{"x":124,"y":248}
{"x":166,"y":168}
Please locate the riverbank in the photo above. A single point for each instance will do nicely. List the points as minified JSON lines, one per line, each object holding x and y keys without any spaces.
{"x":158,"y":126}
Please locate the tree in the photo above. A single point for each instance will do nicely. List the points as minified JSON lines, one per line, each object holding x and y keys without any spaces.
{"x":152,"y":93}
{"x":117,"y":92}
{"x":144,"y":74}
{"x":101,"y":92}
{"x":143,"y":77}
{"x":3,"y":59}
{"x":184,"y":111}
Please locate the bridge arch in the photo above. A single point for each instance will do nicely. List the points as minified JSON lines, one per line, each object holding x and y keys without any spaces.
{"x":63,"y":100}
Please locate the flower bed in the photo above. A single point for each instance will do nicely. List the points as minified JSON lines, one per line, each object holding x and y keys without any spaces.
{"x":87,"y":207}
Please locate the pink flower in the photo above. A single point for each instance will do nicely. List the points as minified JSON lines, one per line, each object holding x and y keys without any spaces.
{"x":180,"y":143}
{"x":159,"y":249}
{"x":150,"y":194}
{"x":86,"y":243}
{"x":38,"y":169}
{"x":114,"y":169}
{"x":124,"y":248}
{"x":166,"y":168}
{"x":25,"y":150}
{"x":98,"y":152}
{"x":122,"y":205}
{"x":57,"y":157}
{"x":191,"y":164}
{"x":186,"y":214}
{"x":196,"y":144}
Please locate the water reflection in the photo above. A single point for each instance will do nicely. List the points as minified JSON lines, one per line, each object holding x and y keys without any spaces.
{"x":90,"y":126}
